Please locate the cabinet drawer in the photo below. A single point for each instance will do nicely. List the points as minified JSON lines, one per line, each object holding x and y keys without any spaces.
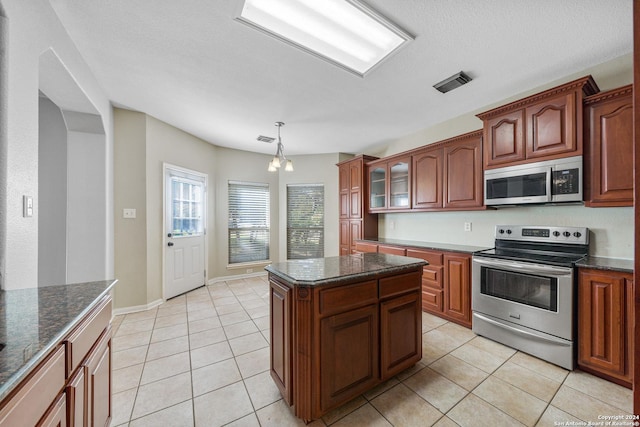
{"x":343,"y":298}
{"x":433,"y":258}
{"x":45,"y":383}
{"x":432,"y":276}
{"x":366,"y":247}
{"x":432,"y":300}
{"x":392,"y":250}
{"x":397,"y":285}
{"x":79,"y":342}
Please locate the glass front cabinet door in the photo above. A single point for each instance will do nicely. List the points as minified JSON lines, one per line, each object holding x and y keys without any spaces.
{"x":377,"y":187}
{"x":399,"y":184}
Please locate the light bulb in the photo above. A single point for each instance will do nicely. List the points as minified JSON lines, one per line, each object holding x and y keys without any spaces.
{"x":289,"y":167}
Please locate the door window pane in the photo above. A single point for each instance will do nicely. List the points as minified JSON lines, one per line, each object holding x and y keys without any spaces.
{"x":186,"y":211}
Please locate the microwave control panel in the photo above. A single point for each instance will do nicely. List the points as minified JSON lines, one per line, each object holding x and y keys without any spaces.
{"x":566,"y":181}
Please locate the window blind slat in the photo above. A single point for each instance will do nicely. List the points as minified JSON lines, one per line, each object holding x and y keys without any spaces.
{"x":248,"y":222}
{"x":305,"y":221}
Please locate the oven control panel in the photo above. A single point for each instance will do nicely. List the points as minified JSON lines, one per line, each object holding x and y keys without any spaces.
{"x":537,"y":233}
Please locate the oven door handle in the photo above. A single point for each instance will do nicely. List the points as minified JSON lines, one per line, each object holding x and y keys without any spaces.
{"x":526,"y":334}
{"x":521,"y":267}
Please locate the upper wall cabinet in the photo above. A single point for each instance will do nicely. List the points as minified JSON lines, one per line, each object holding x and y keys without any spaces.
{"x":448,"y":174}
{"x":389,"y":184}
{"x":608,"y":124}
{"x":547,"y":125}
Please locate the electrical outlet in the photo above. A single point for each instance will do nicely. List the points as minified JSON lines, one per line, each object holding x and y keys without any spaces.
{"x":128,"y":213}
{"x":392,"y":225}
{"x":467,"y":226}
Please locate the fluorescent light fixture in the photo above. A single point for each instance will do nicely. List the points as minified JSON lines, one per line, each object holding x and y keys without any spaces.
{"x":345,"y":32}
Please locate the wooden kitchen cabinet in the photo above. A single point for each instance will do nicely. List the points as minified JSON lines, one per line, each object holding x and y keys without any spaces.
{"x":446,"y":284}
{"x":463,"y":174}
{"x":355,"y":220}
{"x":427,"y":178}
{"x":349,"y":352}
{"x":392,"y":250}
{"x":390,"y":184}
{"x":457,"y":288}
{"x":448,"y":175}
{"x":72,"y":385}
{"x":543,"y":126}
{"x":363,"y":247}
{"x":608,"y":124}
{"x":332,"y":342}
{"x":605,"y":324}
{"x":280,"y":338}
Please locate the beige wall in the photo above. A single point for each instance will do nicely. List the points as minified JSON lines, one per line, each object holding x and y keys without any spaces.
{"x":130,"y":192}
{"x":143,"y":144}
{"x":611,"y":228}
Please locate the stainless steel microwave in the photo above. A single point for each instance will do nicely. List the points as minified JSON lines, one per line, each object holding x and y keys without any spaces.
{"x":550,"y":181}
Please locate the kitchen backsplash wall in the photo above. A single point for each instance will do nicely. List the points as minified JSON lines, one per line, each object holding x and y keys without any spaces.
{"x":611,"y":229}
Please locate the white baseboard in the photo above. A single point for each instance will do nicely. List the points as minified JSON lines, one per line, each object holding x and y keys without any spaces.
{"x":137,"y":308}
{"x":235,"y":277}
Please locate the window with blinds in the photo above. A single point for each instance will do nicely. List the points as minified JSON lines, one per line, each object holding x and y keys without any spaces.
{"x":248,"y":222}
{"x":305,"y":221}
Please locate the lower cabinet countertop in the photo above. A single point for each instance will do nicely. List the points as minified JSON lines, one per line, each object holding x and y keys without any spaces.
{"x":322,"y":271}
{"x":35,"y":320}
{"x":610,"y":264}
{"x":447,"y":247}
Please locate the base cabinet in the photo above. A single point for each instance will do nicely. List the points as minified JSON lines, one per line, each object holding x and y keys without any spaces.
{"x":605,"y":324}
{"x":72,"y":385}
{"x":332,"y":342}
{"x":446,"y":284}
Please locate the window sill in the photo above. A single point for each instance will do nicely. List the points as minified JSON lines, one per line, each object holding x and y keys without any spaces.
{"x":248,"y":264}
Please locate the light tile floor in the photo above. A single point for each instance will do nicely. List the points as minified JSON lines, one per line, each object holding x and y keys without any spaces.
{"x":203,"y":359}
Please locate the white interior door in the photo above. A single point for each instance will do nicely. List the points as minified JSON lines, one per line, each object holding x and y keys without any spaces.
{"x":185,"y":213}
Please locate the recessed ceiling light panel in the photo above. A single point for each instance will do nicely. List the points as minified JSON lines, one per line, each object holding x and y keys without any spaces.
{"x":344,"y":32}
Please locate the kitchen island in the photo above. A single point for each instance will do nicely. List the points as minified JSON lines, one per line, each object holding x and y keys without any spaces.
{"x":342,"y":325}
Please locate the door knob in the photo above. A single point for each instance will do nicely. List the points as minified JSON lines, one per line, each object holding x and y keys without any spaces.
{"x":169,"y":235}
{"x":170,"y":244}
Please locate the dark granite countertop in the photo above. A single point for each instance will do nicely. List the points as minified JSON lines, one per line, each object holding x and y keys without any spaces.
{"x":611,"y":264}
{"x":427,"y":245}
{"x":34,"y":321}
{"x":322,"y":271}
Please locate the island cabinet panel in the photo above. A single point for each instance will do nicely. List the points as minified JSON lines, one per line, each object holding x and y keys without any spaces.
{"x":608,"y":148}
{"x":348,"y":355}
{"x":605,"y":324}
{"x":280,"y":338}
{"x":334,"y":341}
{"x":401,"y":334}
{"x":544,"y":126}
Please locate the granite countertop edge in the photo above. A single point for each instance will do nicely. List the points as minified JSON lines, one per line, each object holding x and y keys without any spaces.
{"x":7,"y":387}
{"x":606,"y":264}
{"x":447,"y":247}
{"x":354,"y":276}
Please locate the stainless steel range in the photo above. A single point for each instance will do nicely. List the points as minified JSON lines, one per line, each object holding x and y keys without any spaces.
{"x":524,"y":290}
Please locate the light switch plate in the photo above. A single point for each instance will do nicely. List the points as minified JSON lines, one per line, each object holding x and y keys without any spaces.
{"x":27,"y":206}
{"x":128,"y":213}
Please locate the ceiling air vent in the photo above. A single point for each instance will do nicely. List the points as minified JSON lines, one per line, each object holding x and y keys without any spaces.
{"x":267,"y":139}
{"x":452,"y":82}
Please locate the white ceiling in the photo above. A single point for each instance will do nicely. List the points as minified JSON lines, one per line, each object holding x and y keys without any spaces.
{"x":190,"y":64}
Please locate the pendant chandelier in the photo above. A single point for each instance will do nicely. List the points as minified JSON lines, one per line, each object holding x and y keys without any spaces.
{"x":279,"y":159}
